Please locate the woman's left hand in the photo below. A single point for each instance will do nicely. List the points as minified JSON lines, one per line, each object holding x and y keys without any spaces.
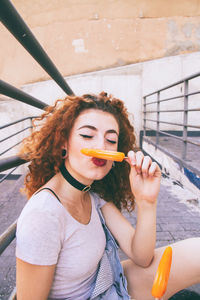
{"x":144,"y":177}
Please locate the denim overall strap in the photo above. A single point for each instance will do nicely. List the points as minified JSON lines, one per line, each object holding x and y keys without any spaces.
{"x":111,"y":282}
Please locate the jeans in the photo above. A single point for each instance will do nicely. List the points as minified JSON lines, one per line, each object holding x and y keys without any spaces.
{"x":110,"y":281}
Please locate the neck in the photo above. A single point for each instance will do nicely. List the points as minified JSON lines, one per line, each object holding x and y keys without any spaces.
{"x":66,"y":192}
{"x":71,"y":179}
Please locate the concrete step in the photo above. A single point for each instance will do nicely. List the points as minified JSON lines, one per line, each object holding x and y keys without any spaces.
{"x":11,"y":201}
{"x":177,"y":218}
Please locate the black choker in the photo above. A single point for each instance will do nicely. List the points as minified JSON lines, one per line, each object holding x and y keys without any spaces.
{"x":75,"y":183}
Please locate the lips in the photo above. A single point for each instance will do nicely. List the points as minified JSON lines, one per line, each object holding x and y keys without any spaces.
{"x":99,"y":162}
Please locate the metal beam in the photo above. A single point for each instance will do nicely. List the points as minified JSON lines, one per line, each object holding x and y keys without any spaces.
{"x":17,"y":121}
{"x":16,"y":25}
{"x":11,"y":162}
{"x":11,"y":91}
{"x":7,"y":236}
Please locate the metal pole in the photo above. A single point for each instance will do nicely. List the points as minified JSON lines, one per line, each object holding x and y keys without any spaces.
{"x":18,"y":121}
{"x":13,"y":92}
{"x":158,"y":118}
{"x":15,"y":24}
{"x":11,"y":162}
{"x":6,"y":175}
{"x":145,"y":115}
{"x":185,"y":120}
{"x":7,"y":236}
{"x":31,"y":120}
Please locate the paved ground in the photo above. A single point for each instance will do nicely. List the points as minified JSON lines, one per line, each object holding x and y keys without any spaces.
{"x":11,"y":204}
{"x":178,"y":218}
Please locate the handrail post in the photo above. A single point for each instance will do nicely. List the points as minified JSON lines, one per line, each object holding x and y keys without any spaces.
{"x":144,"y":116}
{"x":158,"y":118}
{"x":31,"y":121}
{"x":185,"y":120}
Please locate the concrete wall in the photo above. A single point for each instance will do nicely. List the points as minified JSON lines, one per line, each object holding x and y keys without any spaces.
{"x":128,"y":83}
{"x":89,"y":35}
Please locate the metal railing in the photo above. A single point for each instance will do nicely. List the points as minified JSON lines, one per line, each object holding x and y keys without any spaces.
{"x":181,"y":135}
{"x":16,"y":25}
{"x":9,"y":234}
{"x":11,"y":91}
{"x":17,"y":94}
{"x":13,"y":146}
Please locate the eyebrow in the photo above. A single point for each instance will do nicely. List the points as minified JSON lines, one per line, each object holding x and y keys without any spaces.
{"x":94,"y":128}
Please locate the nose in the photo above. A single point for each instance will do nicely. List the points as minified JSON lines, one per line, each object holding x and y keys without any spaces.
{"x":100,"y":143}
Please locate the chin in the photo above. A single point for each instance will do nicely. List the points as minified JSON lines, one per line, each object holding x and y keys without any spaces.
{"x":93,"y":173}
{"x":100,"y":174}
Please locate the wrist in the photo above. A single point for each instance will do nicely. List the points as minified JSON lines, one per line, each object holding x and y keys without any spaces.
{"x":143,"y":204}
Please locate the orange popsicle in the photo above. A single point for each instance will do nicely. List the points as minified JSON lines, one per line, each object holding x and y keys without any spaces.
{"x":162,"y":275}
{"x":104,"y":154}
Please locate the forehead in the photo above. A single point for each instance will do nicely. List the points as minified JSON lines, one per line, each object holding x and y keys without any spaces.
{"x":97,"y":118}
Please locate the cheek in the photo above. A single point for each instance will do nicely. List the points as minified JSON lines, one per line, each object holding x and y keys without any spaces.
{"x":74,"y":146}
{"x":109,"y":164}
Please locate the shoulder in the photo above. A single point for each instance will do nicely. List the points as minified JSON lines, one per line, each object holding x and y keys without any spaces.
{"x":42,"y":208}
{"x":44,"y":202}
{"x":40,"y":229}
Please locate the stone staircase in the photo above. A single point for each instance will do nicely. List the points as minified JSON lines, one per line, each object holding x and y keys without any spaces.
{"x":177,"y":218}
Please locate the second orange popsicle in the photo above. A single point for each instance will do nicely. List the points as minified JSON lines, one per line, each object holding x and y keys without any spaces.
{"x":162,"y":274}
{"x":104,"y":154}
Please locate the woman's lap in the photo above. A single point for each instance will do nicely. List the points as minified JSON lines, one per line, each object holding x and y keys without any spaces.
{"x":185,"y":270}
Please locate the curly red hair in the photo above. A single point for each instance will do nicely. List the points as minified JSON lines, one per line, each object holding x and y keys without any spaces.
{"x":44,"y":146}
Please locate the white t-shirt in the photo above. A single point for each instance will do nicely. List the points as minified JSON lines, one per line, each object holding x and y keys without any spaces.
{"x":47,"y":234}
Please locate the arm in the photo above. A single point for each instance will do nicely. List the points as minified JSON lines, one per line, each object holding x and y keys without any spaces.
{"x":144,"y":241}
{"x":33,"y":281}
{"x":138,"y":244}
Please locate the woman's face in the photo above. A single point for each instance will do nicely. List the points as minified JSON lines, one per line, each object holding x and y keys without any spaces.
{"x":95,"y":129}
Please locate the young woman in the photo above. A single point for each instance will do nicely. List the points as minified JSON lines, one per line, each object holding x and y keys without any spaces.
{"x":64,"y":246}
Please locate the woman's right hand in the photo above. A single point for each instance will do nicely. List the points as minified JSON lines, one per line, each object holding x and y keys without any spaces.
{"x":145,"y":177}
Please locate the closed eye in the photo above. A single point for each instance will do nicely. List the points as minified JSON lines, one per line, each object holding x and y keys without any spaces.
{"x":86,"y":136}
{"x":112,"y":142}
